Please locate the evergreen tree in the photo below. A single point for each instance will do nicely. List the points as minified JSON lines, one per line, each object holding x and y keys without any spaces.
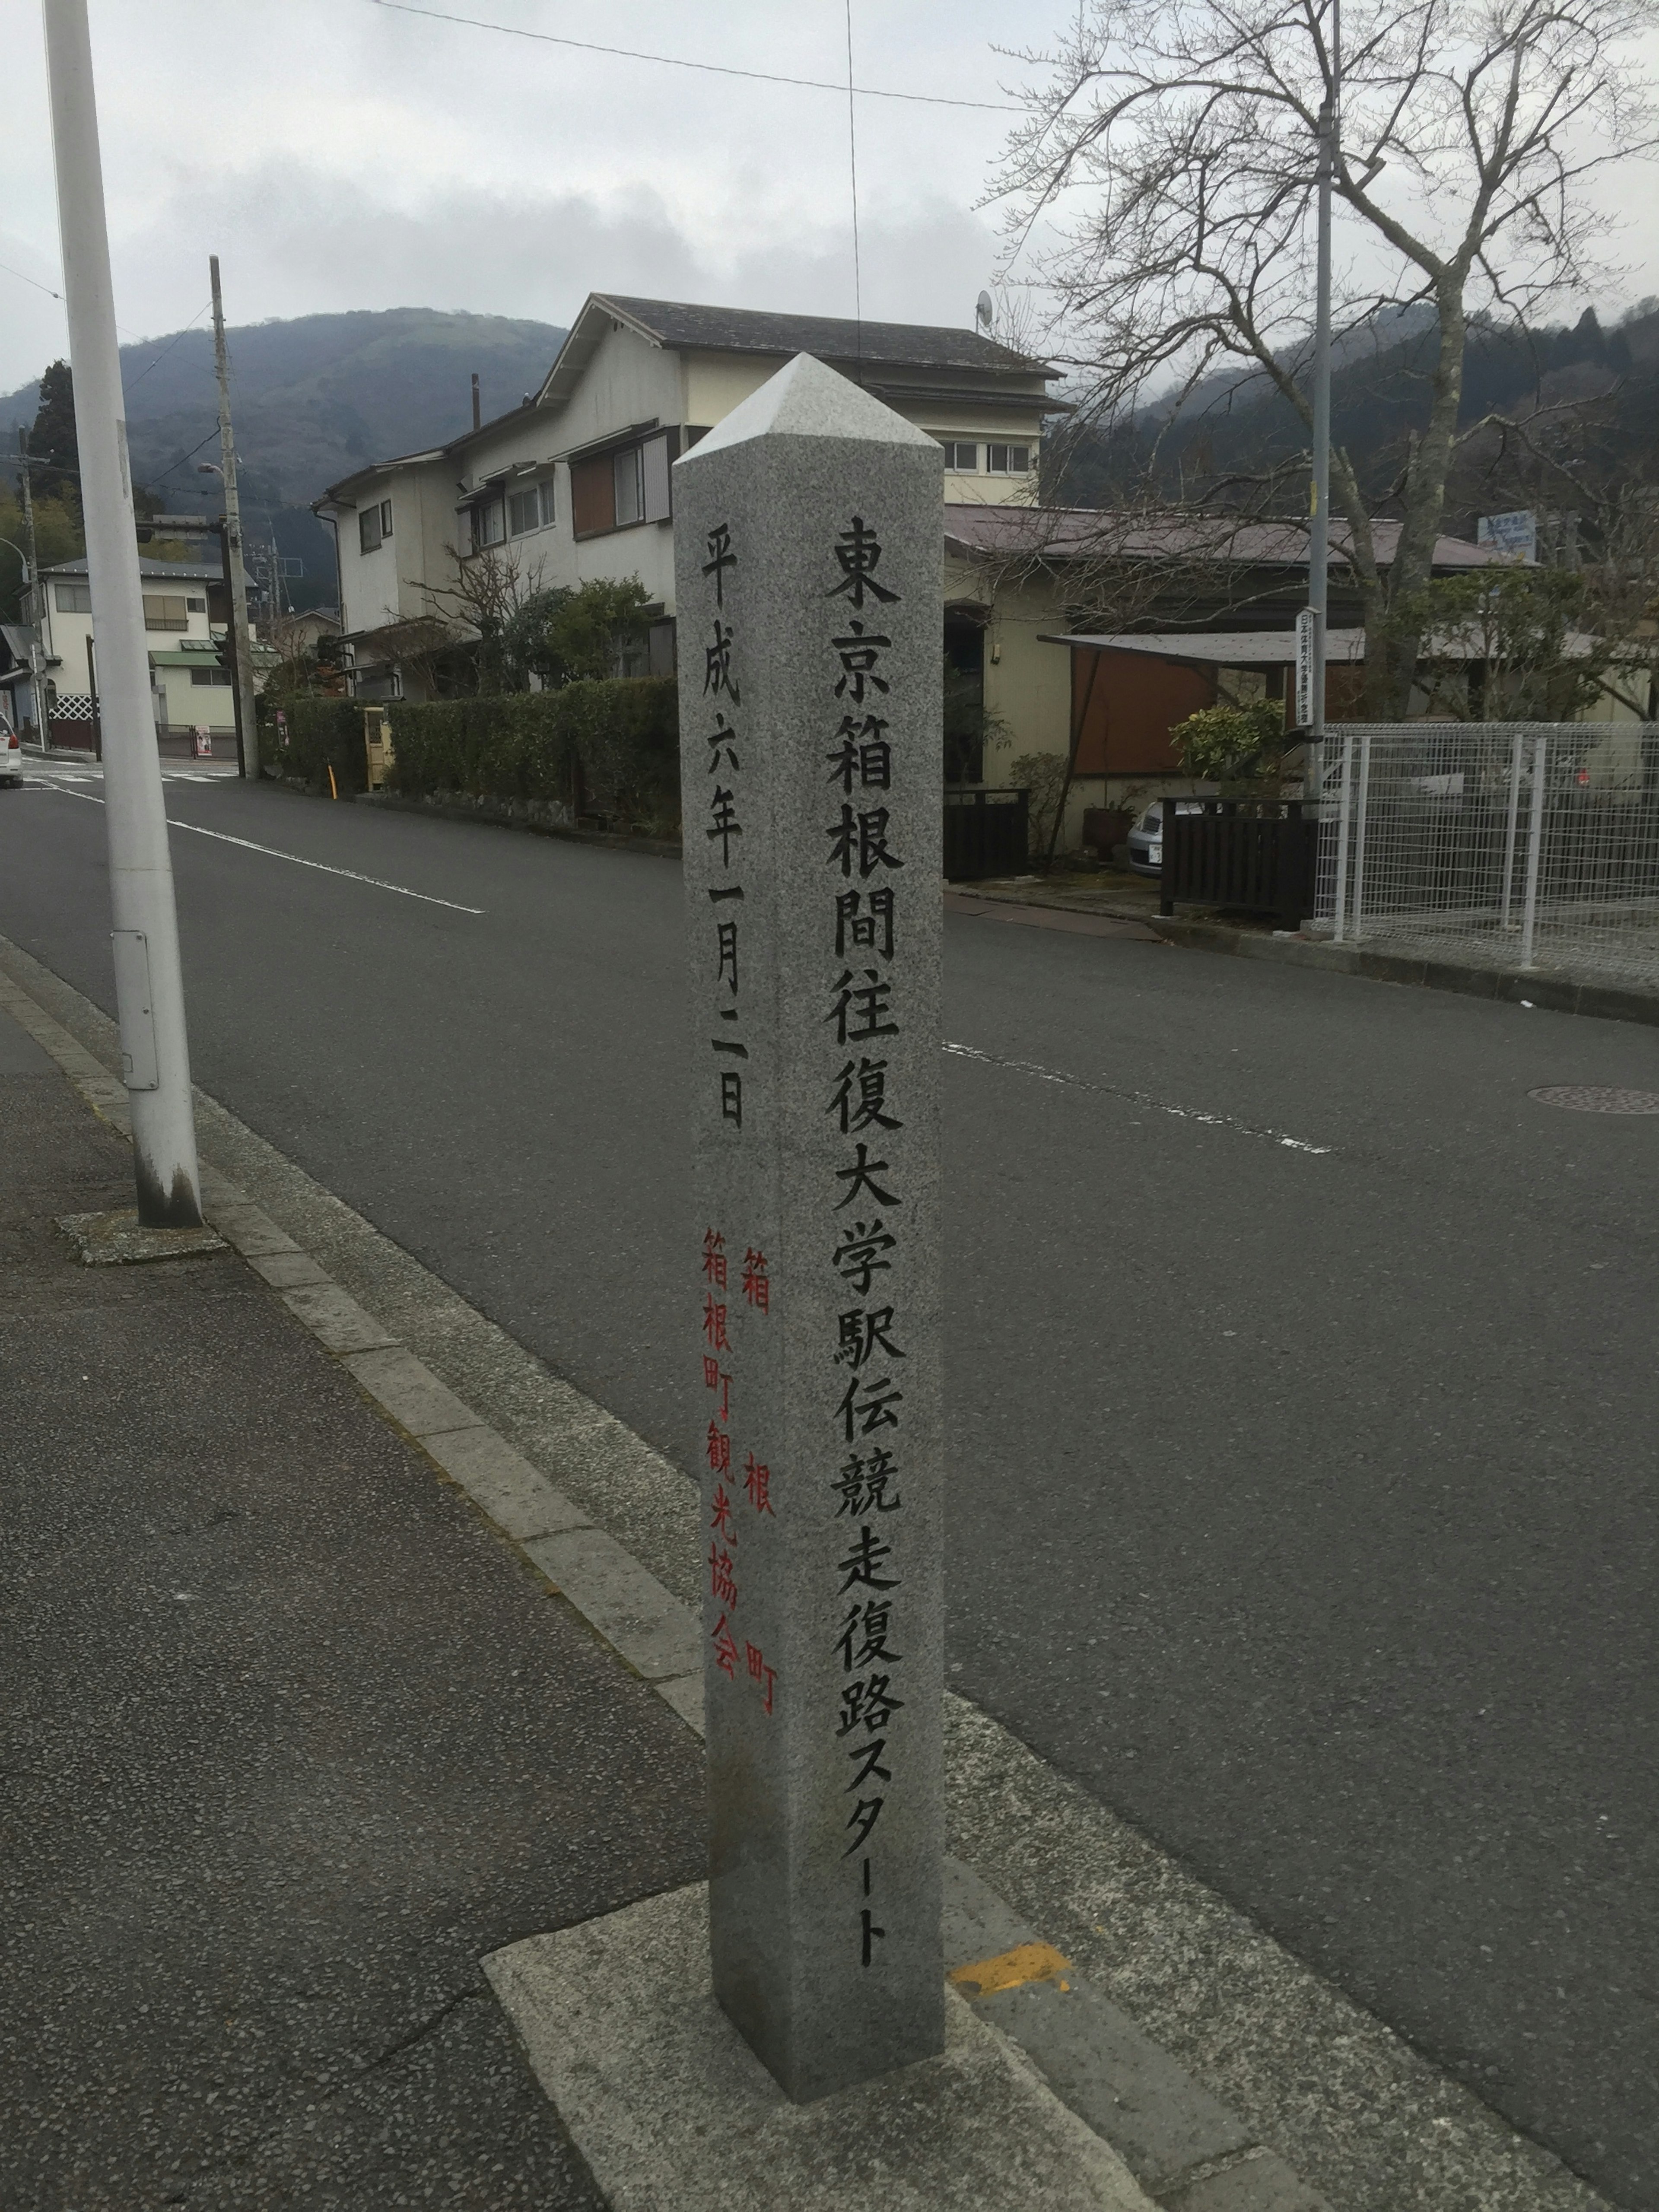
{"x":53,"y":452}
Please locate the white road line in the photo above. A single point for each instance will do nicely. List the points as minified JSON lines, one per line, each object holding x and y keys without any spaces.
{"x":1140,"y":1098}
{"x":376,"y":883}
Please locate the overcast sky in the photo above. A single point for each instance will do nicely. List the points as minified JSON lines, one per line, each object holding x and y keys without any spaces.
{"x":337,"y":155}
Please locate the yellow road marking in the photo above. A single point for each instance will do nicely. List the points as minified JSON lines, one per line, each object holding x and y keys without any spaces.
{"x":1026,"y":1962}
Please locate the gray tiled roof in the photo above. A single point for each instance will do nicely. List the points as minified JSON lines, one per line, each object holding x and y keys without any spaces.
{"x":154,"y":571}
{"x":889,"y":345}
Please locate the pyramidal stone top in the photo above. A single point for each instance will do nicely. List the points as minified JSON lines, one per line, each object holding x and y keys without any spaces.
{"x":805,"y":400}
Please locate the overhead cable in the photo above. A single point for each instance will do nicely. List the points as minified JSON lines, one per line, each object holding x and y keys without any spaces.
{"x":711,"y":69}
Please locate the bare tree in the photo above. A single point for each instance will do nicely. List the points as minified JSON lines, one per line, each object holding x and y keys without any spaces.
{"x":491,"y":584}
{"x":1174,"y":151}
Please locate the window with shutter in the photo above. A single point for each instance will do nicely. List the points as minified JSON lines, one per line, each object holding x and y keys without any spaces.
{"x":592,"y":496}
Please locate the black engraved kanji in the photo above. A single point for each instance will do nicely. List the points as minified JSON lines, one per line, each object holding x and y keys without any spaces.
{"x":863,"y":1416}
{"x":862,"y":1561}
{"x":861,"y":1333}
{"x":864,"y":1633}
{"x":862,"y":1175}
{"x":864,"y":922}
{"x":859,"y":1100}
{"x":863,"y":1485}
{"x":717,"y":664}
{"x":723,"y":811}
{"x":858,"y":1256}
{"x":720,"y":558}
{"x":725,"y":938}
{"x":859,"y":551}
{"x":860,"y":839}
{"x":864,"y":756}
{"x":869,"y":1704}
{"x":859,"y":650}
{"x":719,"y":740}
{"x":859,"y":1008}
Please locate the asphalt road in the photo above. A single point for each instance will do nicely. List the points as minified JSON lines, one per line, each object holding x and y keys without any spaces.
{"x":1302,"y":1496}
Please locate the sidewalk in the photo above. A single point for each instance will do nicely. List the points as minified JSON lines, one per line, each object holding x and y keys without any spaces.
{"x":292,"y":1739}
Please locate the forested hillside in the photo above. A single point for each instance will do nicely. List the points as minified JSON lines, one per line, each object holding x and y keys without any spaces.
{"x":314,"y":398}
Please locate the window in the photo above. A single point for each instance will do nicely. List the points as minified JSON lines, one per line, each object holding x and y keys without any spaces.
{"x":385,"y":518}
{"x":964,"y":458}
{"x":615,"y":490}
{"x":209,"y":675}
{"x":488,"y":525}
{"x":1007,"y":460}
{"x":72,"y":598}
{"x":197,"y":606}
{"x":163,"y":611}
{"x":369,"y":532}
{"x":530,"y":510}
{"x":629,"y":490}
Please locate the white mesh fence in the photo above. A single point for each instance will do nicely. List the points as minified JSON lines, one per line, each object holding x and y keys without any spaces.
{"x":1530,"y":845}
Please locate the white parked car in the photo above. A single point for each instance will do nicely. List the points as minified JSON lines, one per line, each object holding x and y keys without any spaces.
{"x":1146,"y":838}
{"x":11,"y":753}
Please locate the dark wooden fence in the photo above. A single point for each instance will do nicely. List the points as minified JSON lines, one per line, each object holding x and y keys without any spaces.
{"x":1255,"y":855}
{"x":986,"y":833}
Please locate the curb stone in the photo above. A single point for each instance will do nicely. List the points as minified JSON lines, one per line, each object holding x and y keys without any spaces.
{"x":1220,"y":2000}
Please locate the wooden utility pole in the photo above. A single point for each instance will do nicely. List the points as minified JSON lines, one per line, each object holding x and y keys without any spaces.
{"x":242,"y":652}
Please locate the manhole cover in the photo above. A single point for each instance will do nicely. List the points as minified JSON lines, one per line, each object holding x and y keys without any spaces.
{"x":1596,"y":1098}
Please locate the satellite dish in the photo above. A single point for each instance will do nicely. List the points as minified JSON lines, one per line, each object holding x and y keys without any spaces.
{"x":982,"y":312}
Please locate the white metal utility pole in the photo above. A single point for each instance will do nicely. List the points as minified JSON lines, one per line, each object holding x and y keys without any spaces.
{"x":1319,"y":505}
{"x":149,"y":984}
{"x":242,"y":652}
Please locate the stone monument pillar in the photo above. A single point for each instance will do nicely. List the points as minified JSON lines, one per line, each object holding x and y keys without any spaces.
{"x":808,"y":557}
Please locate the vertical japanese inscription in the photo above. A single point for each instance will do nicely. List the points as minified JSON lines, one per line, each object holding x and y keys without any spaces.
{"x":744,"y":1483}
{"x":863,"y":907}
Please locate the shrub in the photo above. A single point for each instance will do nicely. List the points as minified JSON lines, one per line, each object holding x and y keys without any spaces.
{"x":1043,"y":776}
{"x":1233,"y":744}
{"x":609,"y":747}
{"x":322,"y":733}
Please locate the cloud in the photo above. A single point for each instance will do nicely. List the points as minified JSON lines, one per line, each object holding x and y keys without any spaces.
{"x":318,"y":242}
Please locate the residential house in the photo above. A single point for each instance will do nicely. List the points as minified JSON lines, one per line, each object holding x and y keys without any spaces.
{"x":576,"y":484}
{"x":185,"y":616}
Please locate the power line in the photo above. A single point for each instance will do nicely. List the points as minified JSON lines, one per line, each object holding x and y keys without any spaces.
{"x":709,"y":68}
{"x":35,"y":281}
{"x":167,"y":348}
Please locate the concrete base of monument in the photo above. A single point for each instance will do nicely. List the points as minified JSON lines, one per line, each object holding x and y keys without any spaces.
{"x":669,"y":2106}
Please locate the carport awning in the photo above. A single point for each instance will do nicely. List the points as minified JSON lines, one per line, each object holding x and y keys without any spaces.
{"x":1213,"y":648}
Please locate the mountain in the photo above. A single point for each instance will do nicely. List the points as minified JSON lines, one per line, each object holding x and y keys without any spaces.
{"x":1591,"y":394}
{"x":313,"y":399}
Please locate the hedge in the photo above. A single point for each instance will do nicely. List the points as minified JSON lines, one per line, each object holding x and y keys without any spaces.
{"x":607,"y":748}
{"x":322,"y":733}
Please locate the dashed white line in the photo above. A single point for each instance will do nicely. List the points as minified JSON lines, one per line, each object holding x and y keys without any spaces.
{"x":1141,"y":1098}
{"x":351,"y":875}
